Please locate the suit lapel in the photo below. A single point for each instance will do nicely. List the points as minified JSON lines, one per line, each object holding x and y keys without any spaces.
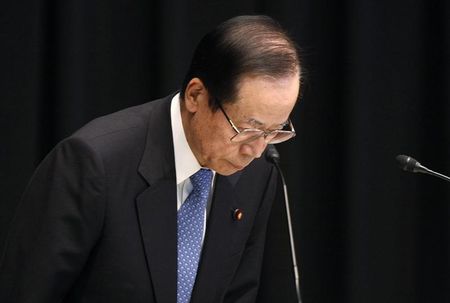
{"x":157,"y":213}
{"x":219,"y":245}
{"x":157,"y":218}
{"x":156,"y":206}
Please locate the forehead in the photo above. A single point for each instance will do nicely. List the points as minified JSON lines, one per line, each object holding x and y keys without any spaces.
{"x":266,"y":99}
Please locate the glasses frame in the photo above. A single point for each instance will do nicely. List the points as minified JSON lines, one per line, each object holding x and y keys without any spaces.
{"x":264,"y":133}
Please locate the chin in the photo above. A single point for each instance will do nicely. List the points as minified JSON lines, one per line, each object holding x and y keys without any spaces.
{"x":228,"y":169}
{"x":227,"y":172}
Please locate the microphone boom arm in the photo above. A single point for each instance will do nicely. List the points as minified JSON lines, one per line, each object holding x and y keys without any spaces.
{"x":433,"y":173}
{"x":274,"y":157}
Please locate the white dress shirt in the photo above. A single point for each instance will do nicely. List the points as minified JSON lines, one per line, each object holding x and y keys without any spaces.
{"x":185,"y":162}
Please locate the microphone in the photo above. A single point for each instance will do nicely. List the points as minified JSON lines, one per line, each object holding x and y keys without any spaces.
{"x":410,"y":164}
{"x":274,"y":156}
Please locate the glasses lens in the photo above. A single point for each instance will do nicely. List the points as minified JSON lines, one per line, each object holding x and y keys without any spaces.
{"x":247,"y":135}
{"x":281,"y":136}
{"x":274,"y":137}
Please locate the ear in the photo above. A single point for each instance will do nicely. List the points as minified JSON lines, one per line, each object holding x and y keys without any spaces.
{"x":195,"y":95}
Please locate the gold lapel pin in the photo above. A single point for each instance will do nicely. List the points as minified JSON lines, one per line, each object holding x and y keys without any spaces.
{"x":238,"y":214}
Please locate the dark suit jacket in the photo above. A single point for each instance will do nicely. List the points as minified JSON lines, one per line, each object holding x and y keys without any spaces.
{"x":97,"y":222}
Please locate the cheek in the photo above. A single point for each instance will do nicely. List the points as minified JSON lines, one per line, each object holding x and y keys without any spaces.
{"x":214,"y":143}
{"x":215,"y":140}
{"x":222,"y":149}
{"x":245,"y":149}
{"x":219,"y":137}
{"x":221,"y":146}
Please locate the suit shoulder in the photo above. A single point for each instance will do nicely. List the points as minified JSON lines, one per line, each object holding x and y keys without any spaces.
{"x":121,"y":133}
{"x":123,"y":120}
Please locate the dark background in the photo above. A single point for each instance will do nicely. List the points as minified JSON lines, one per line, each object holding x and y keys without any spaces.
{"x":377,"y":85}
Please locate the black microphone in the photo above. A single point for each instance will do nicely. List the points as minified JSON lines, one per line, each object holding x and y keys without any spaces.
{"x":274,"y":156}
{"x":410,"y":164}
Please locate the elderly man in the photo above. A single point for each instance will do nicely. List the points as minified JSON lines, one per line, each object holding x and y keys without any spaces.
{"x":167,"y":201}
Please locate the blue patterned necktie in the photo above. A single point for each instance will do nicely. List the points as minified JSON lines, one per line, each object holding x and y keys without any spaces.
{"x":191,"y":216}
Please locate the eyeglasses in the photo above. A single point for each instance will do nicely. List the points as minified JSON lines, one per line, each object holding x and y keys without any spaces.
{"x":246,"y":135}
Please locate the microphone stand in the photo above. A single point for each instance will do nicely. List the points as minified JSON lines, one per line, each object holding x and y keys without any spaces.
{"x":274,"y":156}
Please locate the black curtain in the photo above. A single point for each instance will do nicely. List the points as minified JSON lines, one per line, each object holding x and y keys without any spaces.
{"x":377,"y":85}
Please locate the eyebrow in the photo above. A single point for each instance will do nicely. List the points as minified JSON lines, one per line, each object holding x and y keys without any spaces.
{"x":254,"y":121}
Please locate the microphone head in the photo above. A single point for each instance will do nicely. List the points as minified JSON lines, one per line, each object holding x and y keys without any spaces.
{"x":407,"y":163}
{"x":272,"y":154}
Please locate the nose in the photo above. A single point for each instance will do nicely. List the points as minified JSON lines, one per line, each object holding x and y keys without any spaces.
{"x":255,"y":148}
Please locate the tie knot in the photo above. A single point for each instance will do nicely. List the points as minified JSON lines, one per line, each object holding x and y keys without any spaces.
{"x":201,"y":180}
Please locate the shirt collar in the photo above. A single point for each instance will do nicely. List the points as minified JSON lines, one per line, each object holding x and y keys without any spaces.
{"x":185,"y":162}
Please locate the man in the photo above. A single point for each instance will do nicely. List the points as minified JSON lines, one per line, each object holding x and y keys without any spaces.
{"x":167,"y":201}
